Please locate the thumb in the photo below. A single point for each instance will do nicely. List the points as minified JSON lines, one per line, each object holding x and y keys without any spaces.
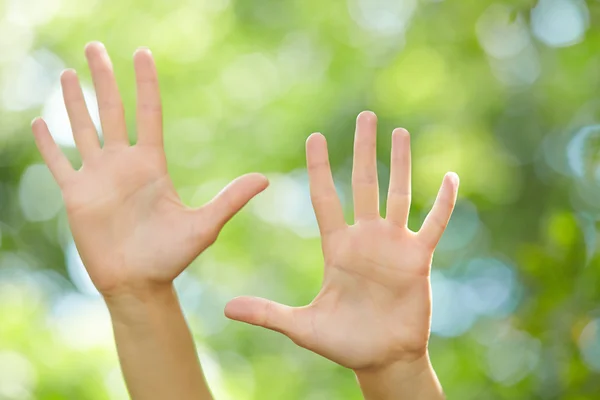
{"x":263,"y":312}
{"x":232,"y":198}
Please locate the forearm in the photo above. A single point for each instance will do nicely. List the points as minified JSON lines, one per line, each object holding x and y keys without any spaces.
{"x":414,"y":381}
{"x":156,"y":350}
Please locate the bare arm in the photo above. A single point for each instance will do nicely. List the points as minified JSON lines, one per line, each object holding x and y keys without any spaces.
{"x":373,"y":313}
{"x":156,"y":349}
{"x":413,"y":380}
{"x":133,"y":233}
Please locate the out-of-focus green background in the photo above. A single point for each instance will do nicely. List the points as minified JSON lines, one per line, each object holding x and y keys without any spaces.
{"x":506,"y":94}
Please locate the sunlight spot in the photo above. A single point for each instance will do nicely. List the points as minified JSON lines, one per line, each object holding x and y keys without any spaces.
{"x":589,"y":345}
{"x":82,"y":322}
{"x":522,"y":69}
{"x":382,"y":17}
{"x":560,"y":23}
{"x":27,"y":83}
{"x":39,"y":195}
{"x":582,"y":153}
{"x":449,"y":318}
{"x":252,"y":80}
{"x":462,"y":228}
{"x":492,"y":286}
{"x":500,"y":36}
{"x":287,"y":203}
{"x":512,"y":357}
{"x":31,"y":12}
{"x":17,"y":376}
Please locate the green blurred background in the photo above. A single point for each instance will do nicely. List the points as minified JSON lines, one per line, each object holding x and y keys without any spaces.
{"x":504,"y":93}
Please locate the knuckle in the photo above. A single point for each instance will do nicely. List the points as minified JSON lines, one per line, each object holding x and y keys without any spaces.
{"x":399,"y":192}
{"x":150,"y":108}
{"x":318,"y":166}
{"x":323,"y":198}
{"x":365,"y":180}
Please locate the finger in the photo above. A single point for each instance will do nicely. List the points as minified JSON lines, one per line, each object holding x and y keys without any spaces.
{"x":262,"y":312}
{"x":398,"y":202}
{"x":56,"y":161}
{"x":325,"y":200}
{"x":364,"y":173}
{"x":231,"y":200}
{"x":84,"y":131}
{"x":437,"y":219}
{"x":149,"y":109}
{"x":110,"y":105}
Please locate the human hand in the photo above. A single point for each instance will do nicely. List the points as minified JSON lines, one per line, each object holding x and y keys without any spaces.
{"x":130,"y":226}
{"x":374,"y":307}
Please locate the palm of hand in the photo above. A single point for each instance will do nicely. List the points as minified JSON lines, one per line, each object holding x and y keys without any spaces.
{"x":128,"y":223}
{"x":374,"y":307}
{"x":129,"y":199}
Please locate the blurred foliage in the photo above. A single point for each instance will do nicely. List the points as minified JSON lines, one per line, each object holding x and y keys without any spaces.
{"x":504,"y":93}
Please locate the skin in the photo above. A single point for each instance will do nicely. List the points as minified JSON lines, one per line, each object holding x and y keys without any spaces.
{"x":373,"y":312}
{"x":132,"y":231}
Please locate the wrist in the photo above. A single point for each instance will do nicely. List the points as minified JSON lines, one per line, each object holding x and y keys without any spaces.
{"x":415,"y":380}
{"x":141,"y":304}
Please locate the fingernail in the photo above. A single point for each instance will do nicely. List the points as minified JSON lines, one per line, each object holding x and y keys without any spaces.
{"x":369,"y":115}
{"x":453,"y":176}
{"x":144,"y":48}
{"x":400,"y":131}
{"x":68,"y":70}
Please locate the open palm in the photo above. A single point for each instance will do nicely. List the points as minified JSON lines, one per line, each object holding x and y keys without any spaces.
{"x":127,"y":220}
{"x":374,"y":307}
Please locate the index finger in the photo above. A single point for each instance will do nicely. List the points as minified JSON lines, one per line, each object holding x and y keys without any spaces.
{"x":326,"y":203}
{"x":437,"y":219}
